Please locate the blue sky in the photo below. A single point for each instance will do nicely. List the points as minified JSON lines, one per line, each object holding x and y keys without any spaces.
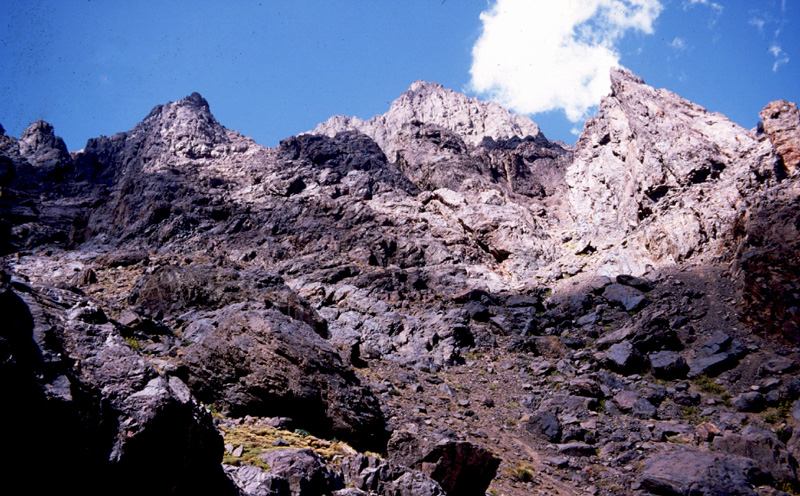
{"x":272,"y":69}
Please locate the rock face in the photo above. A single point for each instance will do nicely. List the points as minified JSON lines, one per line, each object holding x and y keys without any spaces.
{"x":439,"y":284}
{"x":104,"y":411}
{"x":661,"y":171}
{"x":260,"y":362}
{"x":431,"y":103}
{"x":781,"y":120}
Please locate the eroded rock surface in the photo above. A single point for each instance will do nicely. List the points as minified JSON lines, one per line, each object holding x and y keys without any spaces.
{"x":521,"y":317}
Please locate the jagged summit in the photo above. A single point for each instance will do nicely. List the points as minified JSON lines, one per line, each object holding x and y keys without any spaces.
{"x":174,"y":132}
{"x":431,"y":103}
{"x":40,"y":145}
{"x":196,"y":100}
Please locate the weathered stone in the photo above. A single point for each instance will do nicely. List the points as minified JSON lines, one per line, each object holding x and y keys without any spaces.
{"x":668,"y":365}
{"x":693,"y":471}
{"x":632,"y":165}
{"x":749,"y":402}
{"x":764,"y":448}
{"x":253,"y":481}
{"x":460,"y":467}
{"x":577,"y":449}
{"x":624,"y":358}
{"x":711,"y":365}
{"x":585,"y":387}
{"x":629,"y":298}
{"x":636,"y":282}
{"x":387,"y":479}
{"x":259,"y":361}
{"x":305,"y":471}
{"x":781,"y":122}
{"x":778,"y":366}
{"x":544,"y":425}
{"x":58,"y":366}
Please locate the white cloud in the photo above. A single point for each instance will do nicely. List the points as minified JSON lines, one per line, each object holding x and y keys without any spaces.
{"x":758,"y":22}
{"x":540,"y":55}
{"x":781,"y":57}
{"x":763,"y":19}
{"x":678,"y":44}
{"x":716,"y":9}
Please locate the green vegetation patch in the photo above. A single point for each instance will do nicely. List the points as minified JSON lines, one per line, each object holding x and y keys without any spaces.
{"x":259,"y":440}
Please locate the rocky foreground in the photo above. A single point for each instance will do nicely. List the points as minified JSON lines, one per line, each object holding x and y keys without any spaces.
{"x":435,"y":301}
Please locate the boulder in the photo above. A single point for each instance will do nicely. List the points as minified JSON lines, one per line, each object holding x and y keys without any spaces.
{"x":254,"y":481}
{"x":375,"y":476}
{"x":712,"y":365}
{"x":752,"y":401}
{"x":460,"y":467}
{"x":685,"y":471}
{"x":259,"y":361}
{"x":668,"y":365}
{"x":104,"y":412}
{"x":306,"y":472}
{"x":544,"y":425}
{"x":624,"y":358}
{"x":629,"y":298}
{"x":764,"y":448}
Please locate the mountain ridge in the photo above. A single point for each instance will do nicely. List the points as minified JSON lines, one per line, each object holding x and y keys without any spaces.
{"x":439,"y":283}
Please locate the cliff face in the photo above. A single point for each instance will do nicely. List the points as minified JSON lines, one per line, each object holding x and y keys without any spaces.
{"x":391,"y":282}
{"x":663,"y":174}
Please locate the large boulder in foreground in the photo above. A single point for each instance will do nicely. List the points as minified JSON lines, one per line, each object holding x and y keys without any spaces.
{"x":105,"y":418}
{"x":251,"y":360}
{"x":686,"y":471}
{"x":460,"y":467}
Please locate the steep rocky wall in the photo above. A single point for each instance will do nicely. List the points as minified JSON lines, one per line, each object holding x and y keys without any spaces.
{"x":659,"y":177}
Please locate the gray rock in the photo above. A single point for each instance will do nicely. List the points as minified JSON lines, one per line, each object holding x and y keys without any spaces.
{"x":687,"y":471}
{"x":636,"y":282}
{"x":716,"y":343}
{"x":577,"y":449}
{"x":624,"y":358}
{"x":711,"y":365}
{"x":60,"y":366}
{"x":629,"y":298}
{"x":460,"y":467}
{"x":253,"y":481}
{"x":749,"y":402}
{"x":778,"y":366}
{"x":376,"y":476}
{"x":668,"y":365}
{"x":632,"y":164}
{"x":544,"y":425}
{"x":585,"y":387}
{"x":305,"y":471}
{"x":764,"y":448}
{"x":261,"y":362}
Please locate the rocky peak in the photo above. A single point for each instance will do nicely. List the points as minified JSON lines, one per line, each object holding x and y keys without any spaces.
{"x":655,"y":163}
{"x":620,"y":76}
{"x":196,"y":100}
{"x":431,"y":103}
{"x":40,"y":137}
{"x":172,"y":134}
{"x":43,"y":149}
{"x":471,"y":118}
{"x":781,"y":122}
{"x":8,"y":145}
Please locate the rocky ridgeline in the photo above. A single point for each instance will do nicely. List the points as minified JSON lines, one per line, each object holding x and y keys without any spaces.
{"x":437,"y":300}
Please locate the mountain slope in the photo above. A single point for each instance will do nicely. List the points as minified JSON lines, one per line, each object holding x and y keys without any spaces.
{"x":440,"y":283}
